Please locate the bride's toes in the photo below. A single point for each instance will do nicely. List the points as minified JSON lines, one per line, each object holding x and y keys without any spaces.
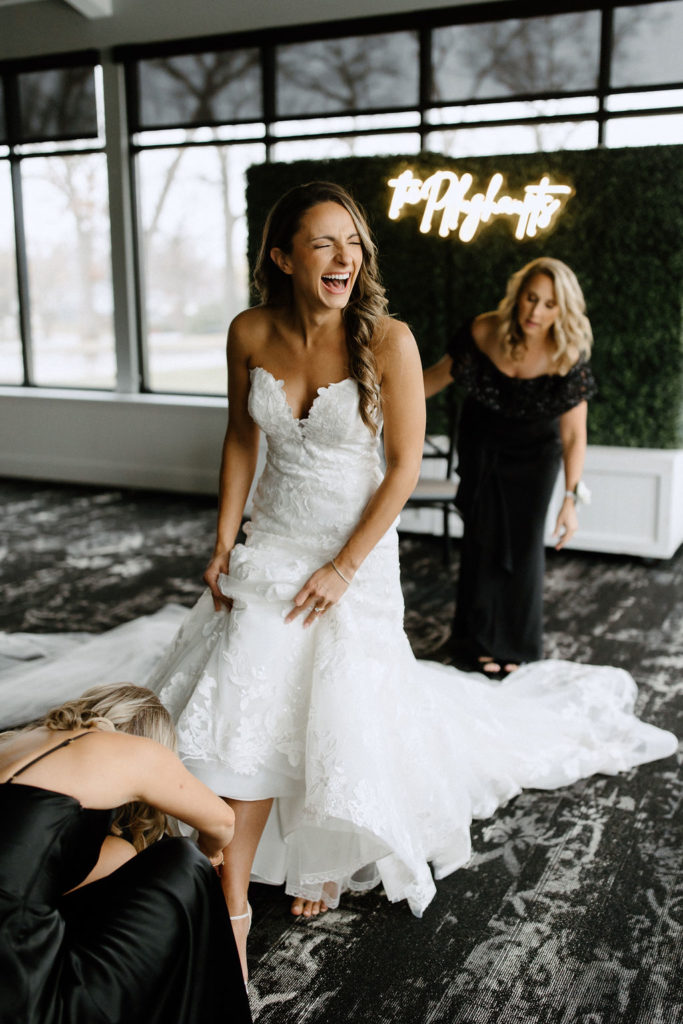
{"x":308,"y":908}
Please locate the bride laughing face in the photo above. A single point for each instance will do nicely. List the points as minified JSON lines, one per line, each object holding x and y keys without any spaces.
{"x":325,"y":257}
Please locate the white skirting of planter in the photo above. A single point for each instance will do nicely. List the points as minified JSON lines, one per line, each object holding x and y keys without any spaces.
{"x":636,"y":506}
{"x":636,"y":502}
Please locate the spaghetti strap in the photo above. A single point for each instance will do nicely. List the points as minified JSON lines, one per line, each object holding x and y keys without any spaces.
{"x":40,"y":757}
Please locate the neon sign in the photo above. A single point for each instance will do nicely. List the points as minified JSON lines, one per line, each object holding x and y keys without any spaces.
{"x":445,"y":193}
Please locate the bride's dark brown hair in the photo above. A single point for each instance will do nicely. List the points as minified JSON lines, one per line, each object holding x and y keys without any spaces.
{"x":367,"y":305}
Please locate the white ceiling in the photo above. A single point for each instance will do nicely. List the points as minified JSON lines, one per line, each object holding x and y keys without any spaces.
{"x":89,"y":8}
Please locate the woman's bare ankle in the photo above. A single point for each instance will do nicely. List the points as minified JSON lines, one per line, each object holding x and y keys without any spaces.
{"x":240,"y":928}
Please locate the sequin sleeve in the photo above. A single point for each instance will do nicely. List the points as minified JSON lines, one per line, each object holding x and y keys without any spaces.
{"x":463,"y":352}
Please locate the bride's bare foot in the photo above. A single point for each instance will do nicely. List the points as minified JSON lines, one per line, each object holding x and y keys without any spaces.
{"x":308,"y":908}
{"x":241,"y":923}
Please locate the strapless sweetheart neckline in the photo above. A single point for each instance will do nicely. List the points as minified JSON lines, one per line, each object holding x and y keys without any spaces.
{"x":301,"y":420}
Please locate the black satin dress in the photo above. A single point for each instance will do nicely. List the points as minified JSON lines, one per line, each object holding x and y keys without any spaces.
{"x":509,"y":454}
{"x":149,"y":944}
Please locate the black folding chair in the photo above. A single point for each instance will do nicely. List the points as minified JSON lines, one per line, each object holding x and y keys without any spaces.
{"x":439,"y":493}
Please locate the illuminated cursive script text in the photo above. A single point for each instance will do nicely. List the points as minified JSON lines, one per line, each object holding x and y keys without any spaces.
{"x":446,"y":194}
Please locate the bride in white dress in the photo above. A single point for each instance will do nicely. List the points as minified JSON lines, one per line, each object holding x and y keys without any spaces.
{"x":294,"y":690}
{"x":302,"y":685}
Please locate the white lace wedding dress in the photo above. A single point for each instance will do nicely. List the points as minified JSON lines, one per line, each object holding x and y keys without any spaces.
{"x":378,"y":762}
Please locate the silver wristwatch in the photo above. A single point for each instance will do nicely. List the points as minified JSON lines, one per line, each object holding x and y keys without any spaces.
{"x":581,"y":495}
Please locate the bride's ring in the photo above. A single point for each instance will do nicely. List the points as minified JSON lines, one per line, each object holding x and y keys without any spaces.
{"x":318,"y":610}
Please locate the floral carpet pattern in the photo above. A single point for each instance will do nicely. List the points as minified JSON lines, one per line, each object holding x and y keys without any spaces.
{"x":571,"y":911}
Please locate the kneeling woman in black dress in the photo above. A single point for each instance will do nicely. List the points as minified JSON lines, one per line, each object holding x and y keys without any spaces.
{"x":98,"y":921}
{"x":524,"y":370}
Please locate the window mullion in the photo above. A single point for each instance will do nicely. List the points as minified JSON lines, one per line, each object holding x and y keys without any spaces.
{"x":269,"y":95}
{"x":606,"y":37}
{"x":121,"y":229}
{"x":425,"y":81}
{"x":22,"y":271}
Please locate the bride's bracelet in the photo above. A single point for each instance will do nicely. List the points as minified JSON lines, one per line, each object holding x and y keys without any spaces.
{"x":340,"y":573}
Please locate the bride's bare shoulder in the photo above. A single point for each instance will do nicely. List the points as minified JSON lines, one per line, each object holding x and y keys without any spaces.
{"x":392,"y":334}
{"x":253,"y":322}
{"x":394,"y":344}
{"x":249,"y":333}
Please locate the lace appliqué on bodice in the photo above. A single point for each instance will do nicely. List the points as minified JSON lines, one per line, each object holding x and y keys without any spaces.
{"x":378,"y":762}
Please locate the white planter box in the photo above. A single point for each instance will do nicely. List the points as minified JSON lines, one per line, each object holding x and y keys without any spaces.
{"x":636,"y":502}
{"x":636,"y":506}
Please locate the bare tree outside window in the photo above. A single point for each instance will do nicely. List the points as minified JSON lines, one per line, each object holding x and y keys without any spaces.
{"x":354,"y":73}
{"x":58,"y":104}
{"x":647,"y":44}
{"x":195,"y":268}
{"x":66,"y":216}
{"x":506,"y":58}
{"x":193,"y":213}
{"x":557,"y":53}
{"x":199,"y":89}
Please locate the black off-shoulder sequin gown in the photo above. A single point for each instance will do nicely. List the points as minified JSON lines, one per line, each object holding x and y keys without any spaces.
{"x":149,"y":944}
{"x":509,"y":453}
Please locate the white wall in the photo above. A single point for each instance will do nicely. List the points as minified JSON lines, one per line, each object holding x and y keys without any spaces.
{"x":154,"y":441}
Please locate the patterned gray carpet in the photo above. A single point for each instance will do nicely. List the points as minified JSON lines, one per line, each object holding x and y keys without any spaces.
{"x":571,"y":911}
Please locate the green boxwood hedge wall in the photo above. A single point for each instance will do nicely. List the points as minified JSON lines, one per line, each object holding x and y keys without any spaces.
{"x":622,"y":233}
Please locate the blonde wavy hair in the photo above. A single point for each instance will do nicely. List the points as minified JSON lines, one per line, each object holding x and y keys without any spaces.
{"x":571,"y":331}
{"x":122,"y":707}
{"x":368,"y":303}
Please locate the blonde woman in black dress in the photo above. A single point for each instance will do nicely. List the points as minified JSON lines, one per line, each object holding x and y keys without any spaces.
{"x":525,"y":373}
{"x":97,"y":915}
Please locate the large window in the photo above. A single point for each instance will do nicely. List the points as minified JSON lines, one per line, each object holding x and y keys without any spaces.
{"x":646,"y":55}
{"x":57,"y":292}
{"x":195,"y":268}
{"x":348,"y":74}
{"x":463,"y":81}
{"x":199,"y":125}
{"x":510,"y":68}
{"x":554,"y":53}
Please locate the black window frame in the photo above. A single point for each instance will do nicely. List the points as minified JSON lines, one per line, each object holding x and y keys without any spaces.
{"x":16,"y":144}
{"x":265,"y":42}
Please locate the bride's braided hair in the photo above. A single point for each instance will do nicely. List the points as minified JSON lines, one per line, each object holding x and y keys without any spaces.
{"x":367,"y":305}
